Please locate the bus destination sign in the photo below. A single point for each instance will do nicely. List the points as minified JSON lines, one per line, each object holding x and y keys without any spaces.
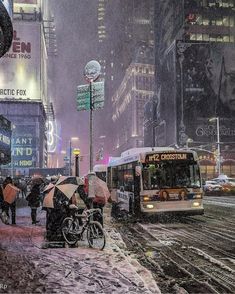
{"x":156,"y":157}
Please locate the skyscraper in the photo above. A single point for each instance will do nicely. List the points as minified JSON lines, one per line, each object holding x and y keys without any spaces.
{"x":193,"y":40}
{"x":124,"y":26}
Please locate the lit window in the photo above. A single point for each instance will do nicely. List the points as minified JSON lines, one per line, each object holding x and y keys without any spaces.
{"x":199,"y":37}
{"x":212,"y":39}
{"x":231,"y":21}
{"x":205,"y":22}
{"x":226,"y":38}
{"x":226,"y":21}
{"x":192,"y":36}
{"x":219,"y":22}
{"x":205,"y":37}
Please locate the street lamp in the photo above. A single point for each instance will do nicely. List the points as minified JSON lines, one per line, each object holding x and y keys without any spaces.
{"x":218,"y":142}
{"x":91,"y":72}
{"x":70,"y":153}
{"x":189,"y":140}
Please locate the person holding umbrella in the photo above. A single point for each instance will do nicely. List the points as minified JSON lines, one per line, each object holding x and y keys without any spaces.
{"x":34,"y":201}
{"x":9,"y":194}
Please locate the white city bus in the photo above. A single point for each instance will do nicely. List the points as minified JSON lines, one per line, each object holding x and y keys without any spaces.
{"x":155,"y":180}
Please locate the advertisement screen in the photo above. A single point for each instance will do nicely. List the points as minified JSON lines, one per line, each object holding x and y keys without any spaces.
{"x":24,"y":144}
{"x":20,"y":66}
{"x":5,"y":140}
{"x":205,"y":89}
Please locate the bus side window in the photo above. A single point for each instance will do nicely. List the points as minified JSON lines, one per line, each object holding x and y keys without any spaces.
{"x":128,"y":180}
{"x":115,"y":177}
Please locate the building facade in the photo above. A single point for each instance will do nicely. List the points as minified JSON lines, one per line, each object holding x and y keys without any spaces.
{"x":194,"y":80}
{"x":24,"y":98}
{"x":129,"y":100}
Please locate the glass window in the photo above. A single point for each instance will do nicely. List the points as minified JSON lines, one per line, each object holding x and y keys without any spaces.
{"x":114,"y":172}
{"x":205,"y":37}
{"x":219,"y":22}
{"x":199,"y":37}
{"x":212,"y":38}
{"x":231,"y":21}
{"x":128,"y":180}
{"x":226,"y":21}
{"x":192,"y":36}
{"x":205,"y":21}
{"x":199,"y":19}
{"x":170,"y":175}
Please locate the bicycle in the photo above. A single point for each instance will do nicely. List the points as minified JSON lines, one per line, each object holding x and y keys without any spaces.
{"x":73,"y":231}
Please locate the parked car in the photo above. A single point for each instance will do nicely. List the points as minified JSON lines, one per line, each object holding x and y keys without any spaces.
{"x":227,"y":183}
{"x":212,"y":187}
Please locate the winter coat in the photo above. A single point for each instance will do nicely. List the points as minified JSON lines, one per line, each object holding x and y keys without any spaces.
{"x":1,"y":196}
{"x":34,"y":196}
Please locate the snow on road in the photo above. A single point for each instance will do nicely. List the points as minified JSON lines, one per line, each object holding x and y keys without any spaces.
{"x":224,"y":201}
{"x":26,"y":268}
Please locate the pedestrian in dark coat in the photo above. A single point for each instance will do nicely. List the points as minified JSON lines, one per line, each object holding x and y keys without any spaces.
{"x":6,"y":205}
{"x":34,"y":202}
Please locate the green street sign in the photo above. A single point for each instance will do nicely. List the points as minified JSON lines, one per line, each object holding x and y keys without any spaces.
{"x":98,"y":95}
{"x":83,"y":96}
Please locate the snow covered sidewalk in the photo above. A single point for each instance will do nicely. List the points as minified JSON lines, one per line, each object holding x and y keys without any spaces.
{"x":26,"y":268}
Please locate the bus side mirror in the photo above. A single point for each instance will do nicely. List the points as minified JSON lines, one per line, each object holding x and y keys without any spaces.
{"x":137,"y":171}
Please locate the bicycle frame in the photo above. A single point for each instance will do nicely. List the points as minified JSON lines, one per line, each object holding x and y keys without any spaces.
{"x":87,"y":215}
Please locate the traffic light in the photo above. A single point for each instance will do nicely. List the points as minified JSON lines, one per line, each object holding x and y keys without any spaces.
{"x":6,"y":30}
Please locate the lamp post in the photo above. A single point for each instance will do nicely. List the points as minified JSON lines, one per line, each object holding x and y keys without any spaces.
{"x":91,"y":72}
{"x":218,"y":142}
{"x":70,"y":153}
{"x":76,"y":153}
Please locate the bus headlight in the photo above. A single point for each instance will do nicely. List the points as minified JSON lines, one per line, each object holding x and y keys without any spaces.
{"x":196,"y":204}
{"x":150,"y":206}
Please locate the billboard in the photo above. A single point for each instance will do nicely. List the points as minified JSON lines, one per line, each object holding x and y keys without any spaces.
{"x":205,"y":89}
{"x":20,"y":71}
{"x":5,"y":140}
{"x":24,"y":142}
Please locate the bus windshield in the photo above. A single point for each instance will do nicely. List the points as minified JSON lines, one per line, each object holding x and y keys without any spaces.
{"x":170,"y":174}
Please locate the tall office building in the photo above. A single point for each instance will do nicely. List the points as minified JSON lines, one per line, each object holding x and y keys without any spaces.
{"x":24,"y":98}
{"x":195,"y":70}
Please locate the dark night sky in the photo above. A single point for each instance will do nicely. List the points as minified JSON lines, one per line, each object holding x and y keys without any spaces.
{"x":76,"y":32}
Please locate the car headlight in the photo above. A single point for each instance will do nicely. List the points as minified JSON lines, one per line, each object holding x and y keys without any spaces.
{"x":197,"y":196}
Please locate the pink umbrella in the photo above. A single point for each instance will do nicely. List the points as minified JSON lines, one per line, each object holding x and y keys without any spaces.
{"x":101,"y":190}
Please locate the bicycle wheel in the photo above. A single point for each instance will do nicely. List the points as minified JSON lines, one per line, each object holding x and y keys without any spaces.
{"x":95,"y":235}
{"x":69,"y":231}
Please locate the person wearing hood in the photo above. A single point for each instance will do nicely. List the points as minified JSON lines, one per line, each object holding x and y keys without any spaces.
{"x":34,"y":202}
